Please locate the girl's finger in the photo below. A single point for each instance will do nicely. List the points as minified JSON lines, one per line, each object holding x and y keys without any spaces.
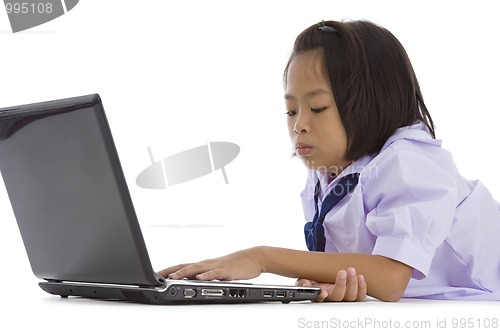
{"x":362,"y":288}
{"x":303,"y":282}
{"x":339,"y":288}
{"x":190,"y":271}
{"x":323,"y":294}
{"x":351,"y":292}
{"x":172,"y":269}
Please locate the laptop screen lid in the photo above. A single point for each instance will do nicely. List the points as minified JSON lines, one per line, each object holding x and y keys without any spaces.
{"x":69,"y":194}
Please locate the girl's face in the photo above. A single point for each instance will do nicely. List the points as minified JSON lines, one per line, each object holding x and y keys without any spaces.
{"x":317,"y":133}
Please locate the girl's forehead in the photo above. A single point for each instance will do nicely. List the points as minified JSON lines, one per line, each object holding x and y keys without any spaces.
{"x":306,"y":68}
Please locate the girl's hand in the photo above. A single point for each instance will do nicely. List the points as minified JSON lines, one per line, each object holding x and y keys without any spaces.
{"x":348,"y":287}
{"x":244,"y":264}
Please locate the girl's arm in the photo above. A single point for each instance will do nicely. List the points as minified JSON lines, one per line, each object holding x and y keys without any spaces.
{"x":386,"y":279}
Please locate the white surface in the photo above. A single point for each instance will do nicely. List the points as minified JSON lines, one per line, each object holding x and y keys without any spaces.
{"x":199,"y":71}
{"x":50,"y":313}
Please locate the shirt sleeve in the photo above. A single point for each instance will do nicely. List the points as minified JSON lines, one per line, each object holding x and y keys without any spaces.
{"x":411,"y":200}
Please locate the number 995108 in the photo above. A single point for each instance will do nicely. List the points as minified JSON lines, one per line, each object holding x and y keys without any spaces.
{"x":28,"y":8}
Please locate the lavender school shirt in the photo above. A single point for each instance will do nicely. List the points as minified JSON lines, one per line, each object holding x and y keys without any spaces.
{"x":412,"y":205}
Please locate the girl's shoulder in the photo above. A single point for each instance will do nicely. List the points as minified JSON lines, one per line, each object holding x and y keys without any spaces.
{"x":410,"y":150}
{"x":417,"y":135}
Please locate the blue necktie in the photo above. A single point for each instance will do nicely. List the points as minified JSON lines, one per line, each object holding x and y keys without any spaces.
{"x":313,"y":230}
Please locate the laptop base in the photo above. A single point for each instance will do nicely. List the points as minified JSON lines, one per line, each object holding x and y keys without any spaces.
{"x":181,"y":292}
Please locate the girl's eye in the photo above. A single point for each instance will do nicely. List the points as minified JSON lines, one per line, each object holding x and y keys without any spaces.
{"x":291,"y":113}
{"x":318,"y":110}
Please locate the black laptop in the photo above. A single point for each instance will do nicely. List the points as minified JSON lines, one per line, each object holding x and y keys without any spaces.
{"x":76,"y":217}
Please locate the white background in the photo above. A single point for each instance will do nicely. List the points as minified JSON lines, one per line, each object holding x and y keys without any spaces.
{"x":174,"y":75}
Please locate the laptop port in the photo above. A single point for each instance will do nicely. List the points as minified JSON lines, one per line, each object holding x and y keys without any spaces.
{"x":212,"y":292}
{"x":234,"y":292}
{"x":189,"y":293}
{"x":268,"y":293}
{"x":280,"y":294}
{"x":305,"y":291}
{"x":172,"y":291}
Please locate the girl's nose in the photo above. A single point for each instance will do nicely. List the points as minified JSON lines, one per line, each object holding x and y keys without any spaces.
{"x":301,"y":125}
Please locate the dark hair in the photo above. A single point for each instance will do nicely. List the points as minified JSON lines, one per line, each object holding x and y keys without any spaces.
{"x":372,"y":80}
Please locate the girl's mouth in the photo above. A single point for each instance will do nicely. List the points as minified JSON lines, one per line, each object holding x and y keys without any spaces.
{"x":303,"y":149}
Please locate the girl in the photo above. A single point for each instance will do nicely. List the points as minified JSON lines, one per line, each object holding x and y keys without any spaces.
{"x":387,"y":212}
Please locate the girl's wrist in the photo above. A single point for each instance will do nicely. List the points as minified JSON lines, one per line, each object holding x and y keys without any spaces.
{"x":261,"y":256}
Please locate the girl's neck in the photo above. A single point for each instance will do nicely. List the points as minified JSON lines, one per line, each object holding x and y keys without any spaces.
{"x":330,"y":174}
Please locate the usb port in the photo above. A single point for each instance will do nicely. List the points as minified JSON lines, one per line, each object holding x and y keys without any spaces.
{"x":280,"y":294}
{"x":268,"y":293}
